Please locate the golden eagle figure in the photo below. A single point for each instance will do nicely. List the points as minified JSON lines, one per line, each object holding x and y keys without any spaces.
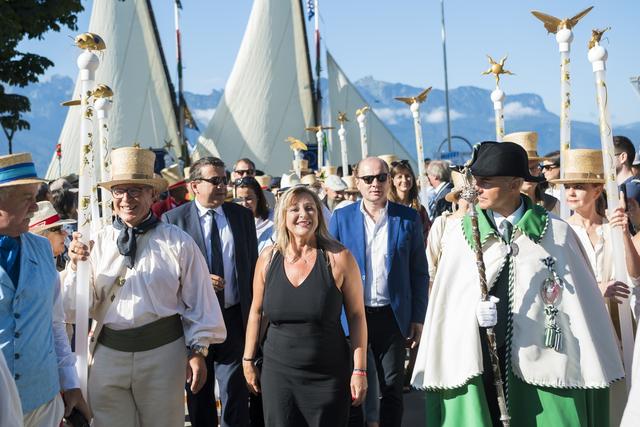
{"x":101,"y":91}
{"x":90,"y":41}
{"x":497,"y":68}
{"x":342,"y":117}
{"x":553,"y":24}
{"x":295,"y":144}
{"x":362,"y":110}
{"x":420,"y":98}
{"x":596,"y":35}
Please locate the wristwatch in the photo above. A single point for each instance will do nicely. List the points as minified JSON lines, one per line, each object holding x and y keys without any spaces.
{"x":197,"y":349}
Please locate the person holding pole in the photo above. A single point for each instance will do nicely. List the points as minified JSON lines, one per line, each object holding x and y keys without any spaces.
{"x":154,"y":309}
{"x":556,"y":347}
{"x":32,"y":331}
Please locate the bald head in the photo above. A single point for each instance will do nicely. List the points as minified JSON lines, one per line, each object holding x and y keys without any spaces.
{"x":367,"y":162}
{"x":372,"y":180}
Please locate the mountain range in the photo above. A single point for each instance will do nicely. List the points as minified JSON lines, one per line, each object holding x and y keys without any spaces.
{"x":471,"y":112}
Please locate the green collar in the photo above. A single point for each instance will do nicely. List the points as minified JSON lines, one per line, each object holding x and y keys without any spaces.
{"x":533,"y":223}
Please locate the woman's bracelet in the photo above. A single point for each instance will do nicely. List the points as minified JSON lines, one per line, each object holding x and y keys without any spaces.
{"x":359,"y":373}
{"x":248,"y":359}
{"x":359,"y":370}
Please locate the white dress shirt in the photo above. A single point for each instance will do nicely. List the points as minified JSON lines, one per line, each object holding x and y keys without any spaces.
{"x":498,"y":219}
{"x":231,"y":296}
{"x":170,"y":276}
{"x":376,"y":290}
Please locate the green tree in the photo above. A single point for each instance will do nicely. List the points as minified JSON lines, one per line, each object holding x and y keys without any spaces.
{"x":20,"y":19}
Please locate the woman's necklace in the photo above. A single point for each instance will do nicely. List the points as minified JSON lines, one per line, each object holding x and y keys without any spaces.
{"x":295,"y":259}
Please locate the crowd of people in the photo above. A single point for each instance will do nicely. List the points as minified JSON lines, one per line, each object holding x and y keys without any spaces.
{"x":318,"y":298}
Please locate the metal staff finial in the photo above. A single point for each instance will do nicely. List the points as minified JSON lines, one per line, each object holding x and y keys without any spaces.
{"x":342,"y":134}
{"x":497,"y":96}
{"x":497,"y":68}
{"x":361,"y":117}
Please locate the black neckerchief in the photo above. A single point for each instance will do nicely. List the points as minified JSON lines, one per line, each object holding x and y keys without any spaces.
{"x":127,"y":237}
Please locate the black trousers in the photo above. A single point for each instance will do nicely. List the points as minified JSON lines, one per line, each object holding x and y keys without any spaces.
{"x":388,"y":346}
{"x":224,"y":362}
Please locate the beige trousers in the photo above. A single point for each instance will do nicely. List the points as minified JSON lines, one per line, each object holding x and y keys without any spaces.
{"x":48,"y":415}
{"x":143,"y":389}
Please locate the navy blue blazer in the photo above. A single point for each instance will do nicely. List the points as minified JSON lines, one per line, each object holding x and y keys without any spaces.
{"x":408,"y":279}
{"x":245,"y":242}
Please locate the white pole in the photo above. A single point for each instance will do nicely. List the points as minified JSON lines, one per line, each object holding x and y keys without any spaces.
{"x":422,"y":177}
{"x":342,"y":133}
{"x":87,"y":63}
{"x":362,"y":124}
{"x":598,"y":58}
{"x":564,"y":37}
{"x":103,"y":106}
{"x":497,"y":96}
{"x":319,"y":139}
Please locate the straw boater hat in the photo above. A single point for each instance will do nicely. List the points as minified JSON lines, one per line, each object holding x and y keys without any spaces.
{"x":388,"y":158}
{"x":528,"y":141}
{"x":132,"y":165}
{"x":288,"y":180}
{"x":350,"y":182}
{"x":333,"y":182}
{"x":174,"y":176}
{"x":581,"y":166}
{"x":458,"y":182}
{"x":264,"y":181}
{"x":309,"y":180}
{"x":18,"y":169}
{"x":46,"y":217}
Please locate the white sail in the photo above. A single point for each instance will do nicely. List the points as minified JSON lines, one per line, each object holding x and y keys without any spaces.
{"x":635,"y":82}
{"x":133,"y":66}
{"x":344,"y":97}
{"x":268,"y":95}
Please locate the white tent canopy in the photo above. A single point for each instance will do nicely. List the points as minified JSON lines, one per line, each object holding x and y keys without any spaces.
{"x":268,"y":96}
{"x":133,"y":66}
{"x":344,"y":97}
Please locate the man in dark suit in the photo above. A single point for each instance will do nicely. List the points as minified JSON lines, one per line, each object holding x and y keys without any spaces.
{"x":439,"y":176}
{"x":386,"y":240}
{"x":226,"y":235}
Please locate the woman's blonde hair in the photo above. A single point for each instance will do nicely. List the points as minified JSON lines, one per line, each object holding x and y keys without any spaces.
{"x":324,"y":240}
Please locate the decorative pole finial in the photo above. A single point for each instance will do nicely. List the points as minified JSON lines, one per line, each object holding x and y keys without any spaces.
{"x":342,"y":134}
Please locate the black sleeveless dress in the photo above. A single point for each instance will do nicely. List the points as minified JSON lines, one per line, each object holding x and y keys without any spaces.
{"x":306,"y":369}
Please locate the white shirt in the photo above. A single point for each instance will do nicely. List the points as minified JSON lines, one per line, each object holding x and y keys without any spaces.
{"x":10,"y":407}
{"x":499,"y":220}
{"x":170,"y":276}
{"x":231,"y":296}
{"x":376,"y":290}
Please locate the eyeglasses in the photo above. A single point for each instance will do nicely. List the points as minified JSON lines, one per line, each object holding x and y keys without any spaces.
{"x":54,"y":229}
{"x":215,"y":180}
{"x":382,"y":177}
{"x":548,"y":167}
{"x":247,"y":180}
{"x":134,"y":192}
{"x":245,"y":172}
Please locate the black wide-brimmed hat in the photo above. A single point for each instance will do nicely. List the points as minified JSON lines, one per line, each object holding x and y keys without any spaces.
{"x":492,"y":158}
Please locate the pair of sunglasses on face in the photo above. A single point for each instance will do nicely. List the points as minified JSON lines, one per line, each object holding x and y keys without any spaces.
{"x":368,"y":179}
{"x":215,"y":180}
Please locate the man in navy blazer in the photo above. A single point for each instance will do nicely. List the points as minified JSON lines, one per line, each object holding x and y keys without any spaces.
{"x":226,"y":235}
{"x":386,"y":240}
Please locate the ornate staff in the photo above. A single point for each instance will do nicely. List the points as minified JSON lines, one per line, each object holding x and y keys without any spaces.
{"x":564,"y":36}
{"x":102,"y":104}
{"x":497,"y":96}
{"x":470,"y":194}
{"x":342,"y":133}
{"x":414,"y":104}
{"x":59,"y":157}
{"x":319,"y":130}
{"x":361,"y":117}
{"x":87,"y":63}
{"x":598,"y":58}
{"x":297,"y":147}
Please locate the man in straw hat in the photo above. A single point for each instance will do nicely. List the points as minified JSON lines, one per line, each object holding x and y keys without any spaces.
{"x":555,"y":342}
{"x":225,"y":234}
{"x":32,"y":332}
{"x":151,"y":297}
{"x":176,"y":189}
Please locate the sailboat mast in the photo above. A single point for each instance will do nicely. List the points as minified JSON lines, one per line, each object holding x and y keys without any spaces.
{"x":177,"y":6}
{"x":318,"y":68}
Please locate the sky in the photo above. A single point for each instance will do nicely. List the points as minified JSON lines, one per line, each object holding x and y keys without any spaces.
{"x":400,"y":41}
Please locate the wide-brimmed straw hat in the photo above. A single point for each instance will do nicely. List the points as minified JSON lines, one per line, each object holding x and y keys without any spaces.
{"x":174,"y":176}
{"x":527,"y":140}
{"x":333,"y":182}
{"x":46,"y":217}
{"x":388,"y":158}
{"x":350,"y":182}
{"x":18,"y":169}
{"x":458,"y":182}
{"x":581,"y":166}
{"x":133,"y":165}
{"x":264,"y":181}
{"x":288,"y":180}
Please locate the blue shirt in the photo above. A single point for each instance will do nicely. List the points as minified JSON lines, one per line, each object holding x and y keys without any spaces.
{"x":32,"y":333}
{"x":632,"y":185}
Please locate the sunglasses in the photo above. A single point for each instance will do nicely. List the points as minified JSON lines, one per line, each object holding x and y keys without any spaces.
{"x":548,"y":167}
{"x":382,"y":177}
{"x":134,"y":192}
{"x":215,"y":180}
{"x":249,"y":172}
{"x":247,"y":180}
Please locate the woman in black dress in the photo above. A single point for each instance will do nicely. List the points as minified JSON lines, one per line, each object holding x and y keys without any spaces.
{"x":302,"y":283}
